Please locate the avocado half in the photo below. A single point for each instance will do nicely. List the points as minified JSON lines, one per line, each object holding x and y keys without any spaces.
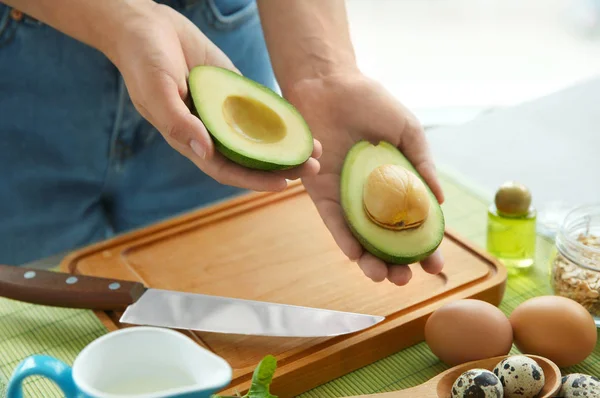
{"x":392,"y":246}
{"x":250,"y":124}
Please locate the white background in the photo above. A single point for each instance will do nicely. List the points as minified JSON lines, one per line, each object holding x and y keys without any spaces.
{"x":469,"y":54}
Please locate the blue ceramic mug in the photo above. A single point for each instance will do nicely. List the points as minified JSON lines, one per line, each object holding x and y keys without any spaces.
{"x":145,"y":362}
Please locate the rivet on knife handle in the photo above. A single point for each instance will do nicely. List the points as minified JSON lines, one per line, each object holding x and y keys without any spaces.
{"x":66,"y":290}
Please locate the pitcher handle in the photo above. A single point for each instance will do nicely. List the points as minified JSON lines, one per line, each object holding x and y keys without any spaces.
{"x":42,"y":365}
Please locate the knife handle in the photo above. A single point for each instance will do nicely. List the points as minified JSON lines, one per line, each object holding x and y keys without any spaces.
{"x":59,"y":289}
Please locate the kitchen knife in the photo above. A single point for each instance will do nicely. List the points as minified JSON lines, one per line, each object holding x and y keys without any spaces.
{"x":173,"y":309}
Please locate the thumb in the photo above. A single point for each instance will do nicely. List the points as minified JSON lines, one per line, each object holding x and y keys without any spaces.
{"x":400,"y":126}
{"x":181,"y":129}
{"x":199,"y":49}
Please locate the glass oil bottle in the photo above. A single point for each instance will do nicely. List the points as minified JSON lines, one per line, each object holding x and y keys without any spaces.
{"x":511,"y":227}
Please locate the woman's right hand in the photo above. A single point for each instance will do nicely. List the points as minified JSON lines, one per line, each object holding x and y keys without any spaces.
{"x":154,"y":51}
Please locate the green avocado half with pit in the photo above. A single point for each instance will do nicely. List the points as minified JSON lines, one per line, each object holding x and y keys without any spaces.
{"x":405,"y":246}
{"x":249,"y":123}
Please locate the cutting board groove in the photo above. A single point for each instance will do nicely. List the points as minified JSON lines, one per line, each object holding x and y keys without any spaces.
{"x":275,"y":247}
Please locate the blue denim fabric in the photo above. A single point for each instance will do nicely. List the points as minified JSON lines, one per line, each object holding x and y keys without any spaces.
{"x":77,"y":162}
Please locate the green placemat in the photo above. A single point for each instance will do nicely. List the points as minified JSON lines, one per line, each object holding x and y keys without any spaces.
{"x":465,"y":212}
{"x":26,"y":329}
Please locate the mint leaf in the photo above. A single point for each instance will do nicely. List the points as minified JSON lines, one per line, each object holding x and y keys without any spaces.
{"x":262,"y":378}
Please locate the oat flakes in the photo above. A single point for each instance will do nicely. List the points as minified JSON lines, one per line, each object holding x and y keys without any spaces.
{"x":577,"y":283}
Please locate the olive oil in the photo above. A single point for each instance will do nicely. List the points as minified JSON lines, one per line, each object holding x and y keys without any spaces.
{"x":511,"y":227}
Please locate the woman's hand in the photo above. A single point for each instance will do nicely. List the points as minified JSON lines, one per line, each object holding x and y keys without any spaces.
{"x":342,"y":110}
{"x":154,"y":52}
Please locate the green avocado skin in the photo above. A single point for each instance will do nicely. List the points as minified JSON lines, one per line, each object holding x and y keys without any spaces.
{"x":245,"y":161}
{"x":397,"y":260}
{"x":388,"y":258}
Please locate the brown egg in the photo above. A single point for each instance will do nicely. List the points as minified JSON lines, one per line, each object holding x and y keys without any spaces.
{"x":554,"y":327}
{"x":468,"y":330}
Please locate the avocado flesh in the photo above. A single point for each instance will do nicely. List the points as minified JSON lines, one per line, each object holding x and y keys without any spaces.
{"x":250,"y":124}
{"x":392,"y":246}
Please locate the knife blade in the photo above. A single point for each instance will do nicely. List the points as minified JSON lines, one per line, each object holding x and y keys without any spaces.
{"x":175,"y":309}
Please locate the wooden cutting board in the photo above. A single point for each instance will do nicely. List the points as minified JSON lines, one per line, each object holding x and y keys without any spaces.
{"x":275,"y":247}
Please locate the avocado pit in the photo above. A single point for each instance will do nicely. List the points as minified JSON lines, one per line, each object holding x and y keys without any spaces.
{"x":253,"y":119}
{"x":395,"y":198}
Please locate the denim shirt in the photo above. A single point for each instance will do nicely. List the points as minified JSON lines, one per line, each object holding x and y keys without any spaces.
{"x":78,"y":163}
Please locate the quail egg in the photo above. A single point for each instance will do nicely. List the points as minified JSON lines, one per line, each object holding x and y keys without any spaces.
{"x":477,"y":383}
{"x":578,"y":385}
{"x":520,"y":376}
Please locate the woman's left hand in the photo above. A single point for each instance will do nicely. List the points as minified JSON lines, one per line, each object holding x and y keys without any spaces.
{"x":342,"y":110}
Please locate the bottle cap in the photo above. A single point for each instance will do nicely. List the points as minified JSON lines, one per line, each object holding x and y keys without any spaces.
{"x":513,"y":199}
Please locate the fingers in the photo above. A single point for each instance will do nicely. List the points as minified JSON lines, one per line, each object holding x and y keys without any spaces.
{"x":226,"y":172}
{"x":399,"y":275}
{"x":317,"y":149}
{"x":168,"y":113}
{"x":428,"y":172}
{"x":414,"y":146}
{"x":372,"y":267}
{"x":377,"y":270}
{"x":401,"y":127}
{"x":434,"y":263}
{"x":333,"y":217}
{"x":309,"y":168}
{"x":188,"y":135}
